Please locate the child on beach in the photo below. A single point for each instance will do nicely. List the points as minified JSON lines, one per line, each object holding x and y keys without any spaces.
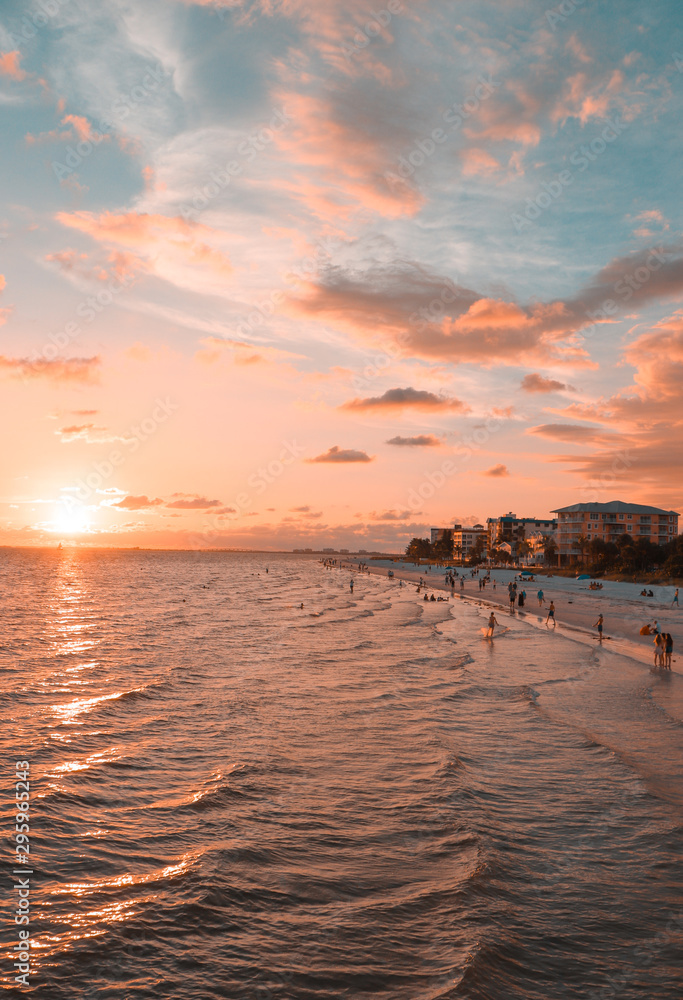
{"x":551,"y":614}
{"x":541,"y":598}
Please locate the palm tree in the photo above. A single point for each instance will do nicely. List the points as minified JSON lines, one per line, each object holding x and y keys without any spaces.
{"x":584,"y":545}
{"x":549,"y":548}
{"x":523,"y":549}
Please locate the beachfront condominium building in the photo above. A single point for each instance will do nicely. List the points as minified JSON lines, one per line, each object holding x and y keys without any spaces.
{"x":608,"y":521}
{"x":465,"y":540}
{"x":437,"y":535}
{"x":512,"y":530}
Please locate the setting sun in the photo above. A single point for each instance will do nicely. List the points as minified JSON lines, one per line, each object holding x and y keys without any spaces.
{"x":70,"y":520}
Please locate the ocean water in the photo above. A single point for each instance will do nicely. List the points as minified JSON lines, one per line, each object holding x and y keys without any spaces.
{"x":236,"y":797}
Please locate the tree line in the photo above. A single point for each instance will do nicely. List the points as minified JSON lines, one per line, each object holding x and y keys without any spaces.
{"x":627,"y":555}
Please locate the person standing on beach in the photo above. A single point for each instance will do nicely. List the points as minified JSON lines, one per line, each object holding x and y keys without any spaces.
{"x":512,"y":601}
{"x":659,"y":651}
{"x":551,"y":614}
{"x":598,"y":625}
{"x":492,"y":625}
{"x":675,"y":600}
{"x":668,"y":650}
{"x":541,"y":598}
{"x":351,"y":585}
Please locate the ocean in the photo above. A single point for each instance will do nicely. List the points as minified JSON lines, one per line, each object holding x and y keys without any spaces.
{"x":234,"y":796}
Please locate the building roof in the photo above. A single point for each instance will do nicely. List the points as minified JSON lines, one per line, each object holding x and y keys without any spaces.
{"x":513,"y":517}
{"x":613,"y":507}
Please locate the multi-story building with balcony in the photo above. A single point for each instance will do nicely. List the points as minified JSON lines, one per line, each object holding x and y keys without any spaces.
{"x":512,"y":530}
{"x":437,"y":534}
{"x":608,"y":521}
{"x":465,"y":539}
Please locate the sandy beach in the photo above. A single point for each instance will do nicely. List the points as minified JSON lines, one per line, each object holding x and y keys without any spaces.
{"x":577,"y":607}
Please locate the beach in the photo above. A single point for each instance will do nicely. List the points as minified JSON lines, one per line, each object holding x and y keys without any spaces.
{"x":577,"y":607}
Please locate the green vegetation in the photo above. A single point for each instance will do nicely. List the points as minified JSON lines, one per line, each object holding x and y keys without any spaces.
{"x":631,"y":556}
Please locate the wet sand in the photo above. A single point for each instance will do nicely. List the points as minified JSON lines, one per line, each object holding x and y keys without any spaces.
{"x":576,"y":607}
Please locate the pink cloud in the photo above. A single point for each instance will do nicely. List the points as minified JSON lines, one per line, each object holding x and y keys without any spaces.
{"x":400,"y":399}
{"x":78,"y":129}
{"x":587,"y":99}
{"x":476,"y":328}
{"x":348,"y":151}
{"x":537,"y":383}
{"x":9,"y":65}
{"x":118,"y":264}
{"x":497,"y":472}
{"x":419,"y":441}
{"x":165,"y":242}
{"x":479,"y":163}
{"x":215,"y":349}
{"x":137,"y":503}
{"x":65,"y":370}
{"x":194,"y":503}
{"x":89,"y":433}
{"x":578,"y":433}
{"x":340,"y":455}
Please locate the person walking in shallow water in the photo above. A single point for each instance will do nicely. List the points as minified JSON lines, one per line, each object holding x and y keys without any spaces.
{"x":659,"y":651}
{"x":675,"y":600}
{"x":551,"y":614}
{"x":491,"y":626}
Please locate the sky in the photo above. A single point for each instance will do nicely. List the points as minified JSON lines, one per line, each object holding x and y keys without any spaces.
{"x":277,"y":274}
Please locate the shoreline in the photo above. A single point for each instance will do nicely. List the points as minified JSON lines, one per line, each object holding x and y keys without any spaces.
{"x":647,"y":579}
{"x":571,"y":622}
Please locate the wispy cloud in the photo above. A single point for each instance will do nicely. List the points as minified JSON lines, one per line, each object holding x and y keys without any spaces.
{"x":538,"y":383}
{"x":193,"y":503}
{"x":84,"y":370}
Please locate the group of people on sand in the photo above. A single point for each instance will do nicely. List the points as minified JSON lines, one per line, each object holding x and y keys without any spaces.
{"x":664,"y":648}
{"x":515,"y":596}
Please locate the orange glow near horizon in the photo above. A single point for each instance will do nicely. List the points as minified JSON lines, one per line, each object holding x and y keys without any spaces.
{"x":69,"y":520}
